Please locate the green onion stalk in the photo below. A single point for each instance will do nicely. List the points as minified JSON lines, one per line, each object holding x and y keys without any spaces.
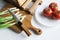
{"x":7,"y":24}
{"x":5,"y":19}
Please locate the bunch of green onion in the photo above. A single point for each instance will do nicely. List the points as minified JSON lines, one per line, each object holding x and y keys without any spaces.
{"x":6,"y":21}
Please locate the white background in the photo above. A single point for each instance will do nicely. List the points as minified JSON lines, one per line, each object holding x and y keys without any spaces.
{"x":47,"y":33}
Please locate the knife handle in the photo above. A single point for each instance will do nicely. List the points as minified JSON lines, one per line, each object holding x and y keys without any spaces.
{"x":26,"y":31}
{"x":24,"y":28}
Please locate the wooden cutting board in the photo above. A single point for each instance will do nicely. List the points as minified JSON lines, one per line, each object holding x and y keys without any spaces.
{"x":26,"y":22}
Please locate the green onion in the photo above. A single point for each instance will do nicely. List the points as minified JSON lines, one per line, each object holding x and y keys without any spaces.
{"x":5,"y":19}
{"x":8,"y":21}
{"x":7,"y":24}
{"x":4,"y":12}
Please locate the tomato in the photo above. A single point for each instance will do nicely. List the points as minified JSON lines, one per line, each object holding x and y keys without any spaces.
{"x":56,"y":15}
{"x":47,"y":12}
{"x":53,"y":6}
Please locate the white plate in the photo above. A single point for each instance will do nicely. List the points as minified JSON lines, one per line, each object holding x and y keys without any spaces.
{"x":45,"y":21}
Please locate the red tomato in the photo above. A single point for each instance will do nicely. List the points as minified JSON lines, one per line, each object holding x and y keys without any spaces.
{"x":53,"y":6}
{"x":47,"y":12}
{"x":56,"y":15}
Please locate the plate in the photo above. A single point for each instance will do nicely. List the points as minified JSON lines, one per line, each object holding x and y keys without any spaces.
{"x":43,"y":20}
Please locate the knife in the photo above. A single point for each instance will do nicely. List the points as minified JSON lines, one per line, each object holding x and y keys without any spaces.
{"x":18,"y":22}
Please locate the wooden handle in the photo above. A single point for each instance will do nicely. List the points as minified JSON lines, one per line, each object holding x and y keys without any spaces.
{"x":26,"y":30}
{"x":31,"y":10}
{"x":36,"y":30}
